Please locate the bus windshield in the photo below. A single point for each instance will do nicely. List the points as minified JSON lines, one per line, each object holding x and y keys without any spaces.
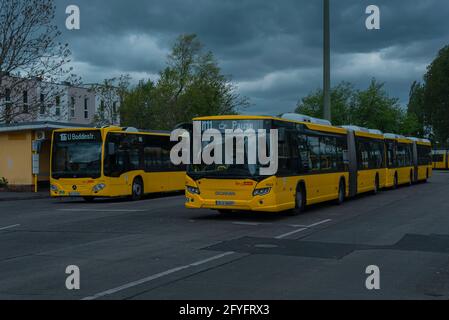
{"x":229,"y":171}
{"x":77,"y":154}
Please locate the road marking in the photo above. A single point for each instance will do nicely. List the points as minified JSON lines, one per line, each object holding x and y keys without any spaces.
{"x":282,"y":236}
{"x":319,"y":223}
{"x":156,"y":276}
{"x":100,"y":210}
{"x":247,"y":223}
{"x":10,"y":227}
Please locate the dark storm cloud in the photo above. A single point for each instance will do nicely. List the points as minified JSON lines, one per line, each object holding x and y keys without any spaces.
{"x":272,"y":49}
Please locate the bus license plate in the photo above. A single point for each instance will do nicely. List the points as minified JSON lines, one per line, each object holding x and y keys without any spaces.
{"x":74,"y":194}
{"x":224,"y":203}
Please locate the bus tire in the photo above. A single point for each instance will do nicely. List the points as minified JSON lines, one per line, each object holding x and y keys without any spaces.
{"x":89,"y":199}
{"x":376,"y":185}
{"x":396,"y":181}
{"x":427,"y":175}
{"x":341,"y":192}
{"x":411,"y":178}
{"x":300,"y":201}
{"x":137,"y":189}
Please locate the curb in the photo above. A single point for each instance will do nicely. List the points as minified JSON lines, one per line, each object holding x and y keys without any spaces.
{"x":24,"y":198}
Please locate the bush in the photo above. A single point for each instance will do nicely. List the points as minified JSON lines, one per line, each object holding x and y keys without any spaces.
{"x":3,"y":182}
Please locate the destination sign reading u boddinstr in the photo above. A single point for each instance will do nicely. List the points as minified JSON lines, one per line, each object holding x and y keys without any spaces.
{"x":79,"y":136}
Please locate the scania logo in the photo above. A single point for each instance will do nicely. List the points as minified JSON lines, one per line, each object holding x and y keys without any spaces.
{"x":74,"y":188}
{"x":225,"y":193}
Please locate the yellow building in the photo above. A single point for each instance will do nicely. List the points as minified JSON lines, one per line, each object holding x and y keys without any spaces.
{"x":25,"y":147}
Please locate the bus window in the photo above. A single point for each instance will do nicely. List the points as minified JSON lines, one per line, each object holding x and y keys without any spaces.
{"x":314,"y":153}
{"x":328,"y":153}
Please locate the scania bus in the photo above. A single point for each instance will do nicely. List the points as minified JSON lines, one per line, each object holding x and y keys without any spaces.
{"x":112,"y":162}
{"x":440,"y":159}
{"x":318,"y":162}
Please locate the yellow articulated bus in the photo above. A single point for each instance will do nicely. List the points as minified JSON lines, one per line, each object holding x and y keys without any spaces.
{"x":317,"y":162}
{"x":422,"y":159}
{"x":112,"y":162}
{"x":440,"y":159}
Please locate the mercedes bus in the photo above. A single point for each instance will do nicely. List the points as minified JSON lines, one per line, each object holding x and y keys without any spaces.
{"x":317,"y":162}
{"x":422,"y":159}
{"x":112,"y":162}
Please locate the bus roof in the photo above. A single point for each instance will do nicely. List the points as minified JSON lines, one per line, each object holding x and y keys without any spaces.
{"x":312,"y":126}
{"x":117,"y":129}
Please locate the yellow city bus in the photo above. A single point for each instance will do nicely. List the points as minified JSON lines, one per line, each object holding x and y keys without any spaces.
{"x":422,"y":159}
{"x":318,"y":162}
{"x":440,"y":159}
{"x":400,"y":166}
{"x":112,"y":162}
{"x":367,"y":160}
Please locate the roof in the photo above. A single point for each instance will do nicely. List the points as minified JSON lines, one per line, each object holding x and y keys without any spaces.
{"x":38,"y":125}
{"x":312,"y":126}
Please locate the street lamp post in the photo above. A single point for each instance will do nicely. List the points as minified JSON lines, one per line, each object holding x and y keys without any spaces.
{"x":326,"y":63}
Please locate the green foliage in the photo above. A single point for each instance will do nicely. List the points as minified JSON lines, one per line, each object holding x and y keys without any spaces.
{"x":436,"y":96}
{"x":3,"y":182}
{"x":191,"y":85}
{"x":372,"y":108}
{"x":342,"y":97}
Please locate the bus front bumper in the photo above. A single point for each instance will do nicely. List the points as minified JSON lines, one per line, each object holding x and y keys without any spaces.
{"x":259,"y":204}
{"x":78,"y":188}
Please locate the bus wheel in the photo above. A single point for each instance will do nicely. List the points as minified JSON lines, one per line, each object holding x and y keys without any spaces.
{"x":396,"y":182}
{"x":300,"y":201}
{"x":411,"y":178}
{"x":89,"y":199}
{"x":376,"y":185}
{"x":427,"y":175}
{"x":137,"y":190}
{"x":341,"y":193}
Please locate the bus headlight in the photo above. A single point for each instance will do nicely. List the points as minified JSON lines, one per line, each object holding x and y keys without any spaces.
{"x":54,"y":188}
{"x":98,"y":187}
{"x":261,"y":192}
{"x":193,"y":190}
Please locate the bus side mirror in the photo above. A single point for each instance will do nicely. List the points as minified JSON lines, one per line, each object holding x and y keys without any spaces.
{"x":281,"y":135}
{"x":111,"y":148}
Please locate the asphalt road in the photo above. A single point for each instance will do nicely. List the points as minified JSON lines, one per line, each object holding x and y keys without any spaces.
{"x":157,"y":249}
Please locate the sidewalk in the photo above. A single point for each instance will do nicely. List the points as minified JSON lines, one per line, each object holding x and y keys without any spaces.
{"x":12,"y":196}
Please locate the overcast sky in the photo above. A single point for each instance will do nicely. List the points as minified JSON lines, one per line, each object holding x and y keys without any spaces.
{"x":272,"y":49}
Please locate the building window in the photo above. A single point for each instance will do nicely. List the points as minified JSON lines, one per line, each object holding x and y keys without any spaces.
{"x":25,"y":108}
{"x":86,"y":109}
{"x":8,"y":103}
{"x":58,"y":106}
{"x":42,"y":104}
{"x":72,"y":107}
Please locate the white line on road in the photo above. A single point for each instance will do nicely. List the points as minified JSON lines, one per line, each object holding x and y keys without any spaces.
{"x":100,"y":210}
{"x":156,"y":276}
{"x":247,"y":223}
{"x":282,"y":236}
{"x":319,"y":223}
{"x":10,"y":227}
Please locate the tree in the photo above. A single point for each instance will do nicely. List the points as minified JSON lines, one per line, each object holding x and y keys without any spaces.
{"x":436,"y":96}
{"x":136,"y":110}
{"x":416,"y":111}
{"x":31,"y":58}
{"x":371,"y":108}
{"x":374,"y":109}
{"x":191,"y":85}
{"x":110,"y":94}
{"x":342,"y":97}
